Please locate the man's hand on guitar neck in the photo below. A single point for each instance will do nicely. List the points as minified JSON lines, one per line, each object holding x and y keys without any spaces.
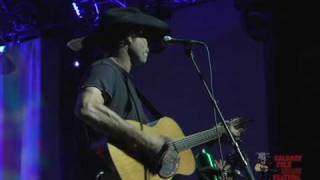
{"x":236,"y":126}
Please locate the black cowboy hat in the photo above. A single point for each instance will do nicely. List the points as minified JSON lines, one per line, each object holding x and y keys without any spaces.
{"x":118,"y":21}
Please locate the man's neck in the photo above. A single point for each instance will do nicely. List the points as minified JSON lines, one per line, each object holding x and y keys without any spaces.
{"x":123,"y":61}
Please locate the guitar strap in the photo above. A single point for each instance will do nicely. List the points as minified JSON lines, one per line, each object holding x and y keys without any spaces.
{"x":150,"y":107}
{"x":154,"y":112}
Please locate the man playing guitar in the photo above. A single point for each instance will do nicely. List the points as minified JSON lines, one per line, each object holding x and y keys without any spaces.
{"x":107,"y":99}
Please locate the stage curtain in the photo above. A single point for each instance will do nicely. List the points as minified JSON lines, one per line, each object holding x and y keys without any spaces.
{"x":25,"y":152}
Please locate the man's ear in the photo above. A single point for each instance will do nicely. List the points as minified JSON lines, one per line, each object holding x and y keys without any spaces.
{"x":129,"y":39}
{"x":126,"y":41}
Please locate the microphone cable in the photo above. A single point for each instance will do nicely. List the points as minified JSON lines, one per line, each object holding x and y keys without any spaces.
{"x":211,"y":65}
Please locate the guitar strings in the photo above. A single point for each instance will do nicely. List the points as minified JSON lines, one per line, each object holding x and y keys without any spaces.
{"x":198,"y":138}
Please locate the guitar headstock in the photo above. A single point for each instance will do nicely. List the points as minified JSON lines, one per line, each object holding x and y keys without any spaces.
{"x":238,"y":125}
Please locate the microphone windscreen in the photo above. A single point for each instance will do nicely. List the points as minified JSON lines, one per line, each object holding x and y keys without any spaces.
{"x":167,"y":38}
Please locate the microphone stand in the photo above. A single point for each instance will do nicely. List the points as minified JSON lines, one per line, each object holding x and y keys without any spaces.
{"x":189,"y":53}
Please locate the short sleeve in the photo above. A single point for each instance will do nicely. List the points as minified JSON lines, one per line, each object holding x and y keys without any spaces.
{"x":101,"y":76}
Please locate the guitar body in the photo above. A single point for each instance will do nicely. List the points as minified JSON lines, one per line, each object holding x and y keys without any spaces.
{"x":130,"y":169}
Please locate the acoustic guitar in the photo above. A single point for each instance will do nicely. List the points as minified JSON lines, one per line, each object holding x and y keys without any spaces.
{"x":130,"y":169}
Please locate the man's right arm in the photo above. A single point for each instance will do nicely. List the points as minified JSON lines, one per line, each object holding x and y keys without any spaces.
{"x":91,"y":109}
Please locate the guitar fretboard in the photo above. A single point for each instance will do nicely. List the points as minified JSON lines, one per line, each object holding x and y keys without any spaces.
{"x":198,"y":138}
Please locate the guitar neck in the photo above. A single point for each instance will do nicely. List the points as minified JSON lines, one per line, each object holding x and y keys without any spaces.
{"x":199,"y":138}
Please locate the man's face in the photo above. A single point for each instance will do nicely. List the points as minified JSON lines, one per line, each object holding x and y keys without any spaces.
{"x":138,"y":49}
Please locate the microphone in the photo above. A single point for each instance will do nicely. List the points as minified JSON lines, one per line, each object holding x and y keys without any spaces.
{"x":170,"y":40}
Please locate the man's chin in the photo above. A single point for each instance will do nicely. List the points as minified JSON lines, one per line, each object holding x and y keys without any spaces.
{"x":140,"y":61}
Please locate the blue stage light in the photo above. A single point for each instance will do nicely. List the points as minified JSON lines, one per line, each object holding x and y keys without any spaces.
{"x":122,"y":4}
{"x":90,"y":9}
{"x":76,"y":9}
{"x":76,"y":64}
{"x":2,"y":48}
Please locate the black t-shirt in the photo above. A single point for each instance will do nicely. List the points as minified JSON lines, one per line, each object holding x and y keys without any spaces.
{"x":115,"y":83}
{"x":120,"y":96}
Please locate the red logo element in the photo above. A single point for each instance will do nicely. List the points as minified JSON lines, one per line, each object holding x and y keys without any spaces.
{"x":289,"y":166}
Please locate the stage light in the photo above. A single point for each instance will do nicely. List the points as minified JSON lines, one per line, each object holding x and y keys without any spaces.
{"x":76,"y":64}
{"x":76,"y":9}
{"x":90,"y":9}
{"x":2,"y":48}
{"x":96,"y":8}
{"x":87,"y":9}
{"x":122,"y":4}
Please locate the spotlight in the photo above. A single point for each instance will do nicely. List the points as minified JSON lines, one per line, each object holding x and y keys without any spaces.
{"x":2,"y":48}
{"x":76,"y":9}
{"x":76,"y":64}
{"x":85,"y":9}
{"x":90,"y":9}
